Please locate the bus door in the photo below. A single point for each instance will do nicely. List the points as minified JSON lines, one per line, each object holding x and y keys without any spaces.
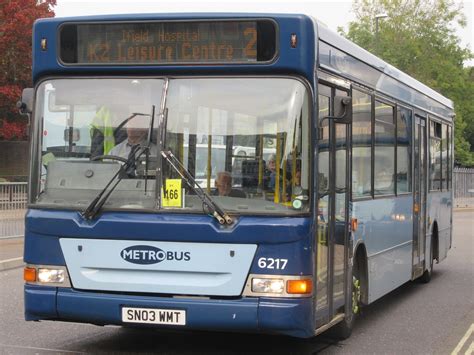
{"x":332,"y":237}
{"x":419,"y":198}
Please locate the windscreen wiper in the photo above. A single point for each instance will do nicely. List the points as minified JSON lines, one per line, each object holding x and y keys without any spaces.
{"x":215,"y":210}
{"x":98,"y":202}
{"x":95,"y":206}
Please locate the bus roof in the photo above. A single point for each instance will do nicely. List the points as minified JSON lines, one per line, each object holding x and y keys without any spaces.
{"x":301,"y":60}
{"x":341,"y":43}
{"x":296,"y":61}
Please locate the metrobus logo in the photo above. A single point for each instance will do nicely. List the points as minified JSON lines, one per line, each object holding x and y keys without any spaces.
{"x":146,"y":254}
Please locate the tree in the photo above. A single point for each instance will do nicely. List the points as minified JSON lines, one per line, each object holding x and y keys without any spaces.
{"x":468,"y":107}
{"x":418,"y":37}
{"x":16,"y":22}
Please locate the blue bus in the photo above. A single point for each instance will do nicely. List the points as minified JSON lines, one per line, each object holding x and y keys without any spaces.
{"x":232,"y":172}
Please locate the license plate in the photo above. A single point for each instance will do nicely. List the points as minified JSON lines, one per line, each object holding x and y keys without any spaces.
{"x":153,"y":316}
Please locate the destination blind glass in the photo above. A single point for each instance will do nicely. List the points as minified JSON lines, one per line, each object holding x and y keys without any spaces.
{"x":168,"y":42}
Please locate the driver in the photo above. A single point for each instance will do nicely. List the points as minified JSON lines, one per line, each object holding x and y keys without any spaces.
{"x":137,"y":133}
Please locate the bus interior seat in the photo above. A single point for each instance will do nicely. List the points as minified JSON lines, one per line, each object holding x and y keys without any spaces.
{"x":250,"y":173}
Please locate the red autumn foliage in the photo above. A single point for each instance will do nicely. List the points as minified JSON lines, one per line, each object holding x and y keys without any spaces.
{"x":13,"y":130}
{"x":16,"y":23}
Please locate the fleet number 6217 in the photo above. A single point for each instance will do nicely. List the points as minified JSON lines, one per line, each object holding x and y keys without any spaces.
{"x":271,"y":263}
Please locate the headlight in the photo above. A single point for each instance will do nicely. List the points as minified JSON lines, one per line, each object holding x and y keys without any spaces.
{"x":50,"y":275}
{"x":288,"y":286}
{"x":46,"y":275}
{"x":268,"y":285}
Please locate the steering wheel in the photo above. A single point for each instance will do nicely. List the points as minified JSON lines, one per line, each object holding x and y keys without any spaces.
{"x":111,"y":157}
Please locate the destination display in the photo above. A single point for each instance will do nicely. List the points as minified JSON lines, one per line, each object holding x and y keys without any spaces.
{"x":168,"y":42}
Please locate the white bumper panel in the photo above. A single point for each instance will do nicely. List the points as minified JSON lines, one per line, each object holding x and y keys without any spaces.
{"x":158,"y":267}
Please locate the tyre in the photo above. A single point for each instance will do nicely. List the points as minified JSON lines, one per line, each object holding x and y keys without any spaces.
{"x":343,"y":330}
{"x":426,"y":277}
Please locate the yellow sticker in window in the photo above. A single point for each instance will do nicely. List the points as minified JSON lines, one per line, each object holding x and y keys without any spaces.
{"x":172,"y":195}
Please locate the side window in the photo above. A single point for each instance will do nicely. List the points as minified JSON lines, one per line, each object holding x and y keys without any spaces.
{"x":361,"y":144}
{"x":444,"y":157}
{"x":324,"y":145}
{"x":384,"y":152}
{"x":404,"y":129}
{"x":435,"y":156}
{"x":450,"y":157}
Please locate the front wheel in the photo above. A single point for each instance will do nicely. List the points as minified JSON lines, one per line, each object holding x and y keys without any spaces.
{"x":343,"y":330}
{"x":426,"y":277}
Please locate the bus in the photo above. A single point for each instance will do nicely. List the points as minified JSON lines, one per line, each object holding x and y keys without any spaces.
{"x":343,"y":165}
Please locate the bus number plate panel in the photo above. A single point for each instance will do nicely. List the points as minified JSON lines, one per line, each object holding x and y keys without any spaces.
{"x":153,"y":316}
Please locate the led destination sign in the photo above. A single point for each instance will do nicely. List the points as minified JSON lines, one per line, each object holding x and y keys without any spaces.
{"x":168,"y":42}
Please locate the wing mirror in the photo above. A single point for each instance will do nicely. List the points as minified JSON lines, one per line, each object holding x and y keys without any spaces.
{"x":342,"y":110}
{"x":25,"y":105}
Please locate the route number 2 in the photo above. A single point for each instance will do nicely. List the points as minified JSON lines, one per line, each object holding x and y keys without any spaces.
{"x":271,"y":263}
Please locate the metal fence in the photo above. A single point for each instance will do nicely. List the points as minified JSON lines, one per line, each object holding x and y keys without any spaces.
{"x":13,"y":199}
{"x":463,"y":182}
{"x":13,"y":196}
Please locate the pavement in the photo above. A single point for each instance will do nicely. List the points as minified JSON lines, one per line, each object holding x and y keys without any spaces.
{"x":11,"y":248}
{"x":12,"y":230}
{"x":11,"y":253}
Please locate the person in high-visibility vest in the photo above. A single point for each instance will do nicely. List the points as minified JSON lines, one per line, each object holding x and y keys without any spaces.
{"x":102,"y":132}
{"x":137,"y":133}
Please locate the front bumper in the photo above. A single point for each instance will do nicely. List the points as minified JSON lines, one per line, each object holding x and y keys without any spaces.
{"x":248,"y":314}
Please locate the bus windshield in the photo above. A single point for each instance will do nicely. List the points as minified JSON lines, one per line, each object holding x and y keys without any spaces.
{"x":240,"y":138}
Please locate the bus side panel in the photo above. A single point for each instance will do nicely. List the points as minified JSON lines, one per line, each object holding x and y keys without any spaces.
{"x":439,"y":210}
{"x":386,"y":229}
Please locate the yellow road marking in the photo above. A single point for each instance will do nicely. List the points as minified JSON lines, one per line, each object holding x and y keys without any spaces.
{"x":463,"y":340}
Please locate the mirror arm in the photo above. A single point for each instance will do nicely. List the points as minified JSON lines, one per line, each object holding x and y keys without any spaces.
{"x":23,"y":110}
{"x":342,"y":119}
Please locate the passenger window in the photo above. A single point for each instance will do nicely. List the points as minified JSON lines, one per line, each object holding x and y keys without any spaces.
{"x":450,"y":157}
{"x":403,"y":150}
{"x":384,"y":158}
{"x":324,"y":145}
{"x":361,"y":144}
{"x":435,"y":156}
{"x":444,"y":157}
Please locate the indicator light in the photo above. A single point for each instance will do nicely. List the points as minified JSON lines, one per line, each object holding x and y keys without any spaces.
{"x":293,"y":40}
{"x":29,"y":274}
{"x":355,"y":224}
{"x":299,"y":286}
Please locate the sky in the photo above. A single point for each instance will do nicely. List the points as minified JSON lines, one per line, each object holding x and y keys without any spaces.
{"x":332,"y":13}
